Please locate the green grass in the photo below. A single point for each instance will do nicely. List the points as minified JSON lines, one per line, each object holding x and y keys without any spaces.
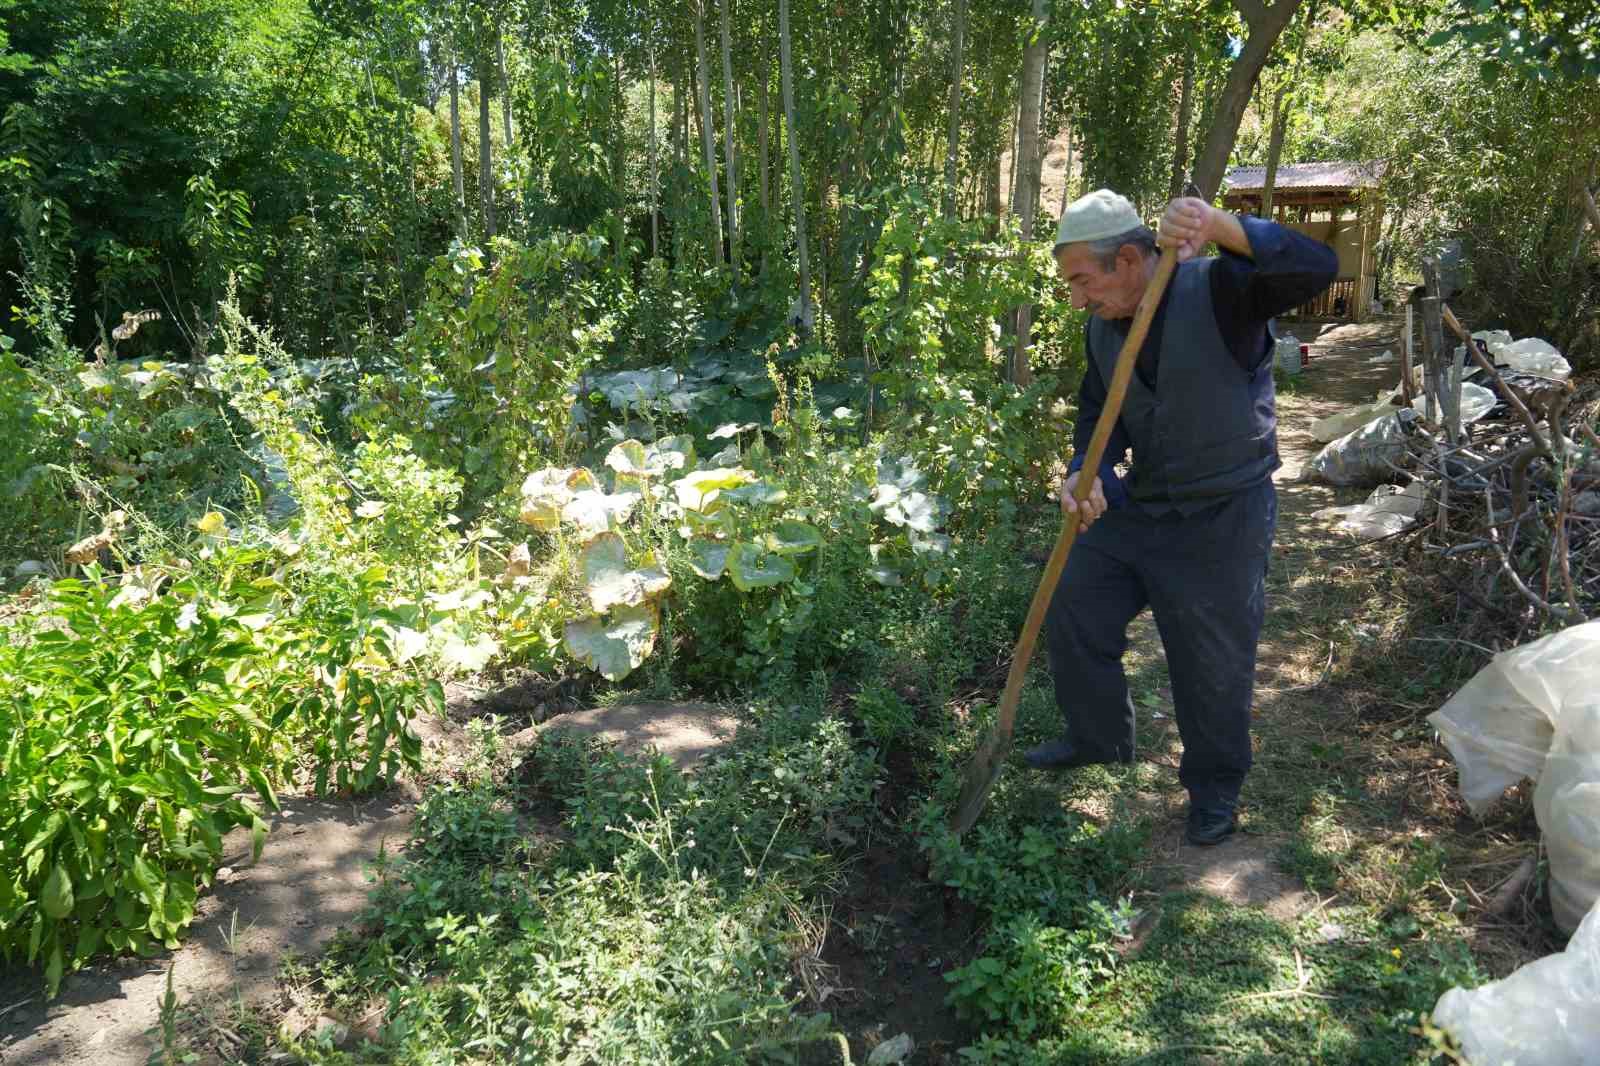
{"x":1231,"y":983}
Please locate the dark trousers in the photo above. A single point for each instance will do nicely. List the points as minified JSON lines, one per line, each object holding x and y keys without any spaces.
{"x":1203,"y":575}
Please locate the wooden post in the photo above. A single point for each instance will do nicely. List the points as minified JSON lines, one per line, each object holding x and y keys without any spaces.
{"x":1407,"y":389}
{"x":1436,"y":383}
{"x":1434,"y":354}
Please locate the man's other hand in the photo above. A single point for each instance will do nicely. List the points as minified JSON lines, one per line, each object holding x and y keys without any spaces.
{"x":1186,"y":226}
{"x":1093,"y":507}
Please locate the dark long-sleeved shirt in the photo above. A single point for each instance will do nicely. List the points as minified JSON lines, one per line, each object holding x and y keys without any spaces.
{"x":1283,"y":271}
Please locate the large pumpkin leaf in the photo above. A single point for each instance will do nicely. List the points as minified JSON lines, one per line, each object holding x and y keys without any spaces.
{"x":626,"y":387}
{"x":593,"y":511}
{"x":793,"y":537}
{"x":669,"y":453}
{"x":699,"y":488}
{"x":544,"y":494}
{"x":900,"y":473}
{"x":609,"y":580}
{"x":757,"y":492}
{"x":628,"y":459}
{"x":912,"y":509}
{"x":470,"y":655}
{"x":613,"y":645}
{"x":752,"y":568}
{"x":709,"y":558}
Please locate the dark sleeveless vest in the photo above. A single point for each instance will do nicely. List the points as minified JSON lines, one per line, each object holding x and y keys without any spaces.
{"x":1208,"y":429}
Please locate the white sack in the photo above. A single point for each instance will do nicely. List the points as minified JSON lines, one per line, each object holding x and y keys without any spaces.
{"x":1567,"y":805}
{"x":1547,"y":1013}
{"x":1363,"y":457}
{"x":1500,"y":724}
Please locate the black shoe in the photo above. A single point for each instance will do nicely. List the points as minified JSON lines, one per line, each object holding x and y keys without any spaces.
{"x":1063,"y":754}
{"x":1207,"y":827}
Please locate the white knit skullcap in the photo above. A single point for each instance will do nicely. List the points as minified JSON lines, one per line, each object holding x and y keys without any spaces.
{"x":1096,"y":215}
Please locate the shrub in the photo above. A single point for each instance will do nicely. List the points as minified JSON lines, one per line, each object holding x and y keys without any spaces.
{"x":137,"y":721}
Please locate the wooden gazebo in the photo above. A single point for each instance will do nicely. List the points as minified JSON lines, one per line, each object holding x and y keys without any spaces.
{"x":1336,"y":202}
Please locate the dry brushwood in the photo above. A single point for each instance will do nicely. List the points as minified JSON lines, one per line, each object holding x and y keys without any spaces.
{"x":1517,"y":502}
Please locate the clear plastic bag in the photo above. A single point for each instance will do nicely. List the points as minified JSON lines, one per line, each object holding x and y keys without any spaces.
{"x":1545,"y":1014}
{"x":1499,"y":725}
{"x":1476,"y":403}
{"x":1532,"y":355}
{"x":1567,"y":805}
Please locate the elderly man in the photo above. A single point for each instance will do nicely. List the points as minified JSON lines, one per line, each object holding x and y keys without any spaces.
{"x":1189,"y":533}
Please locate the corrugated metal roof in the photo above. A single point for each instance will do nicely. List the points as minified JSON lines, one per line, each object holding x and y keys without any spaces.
{"x":1333,"y":174}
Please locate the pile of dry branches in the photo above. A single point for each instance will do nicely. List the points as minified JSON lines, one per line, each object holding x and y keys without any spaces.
{"x":1516,"y":521}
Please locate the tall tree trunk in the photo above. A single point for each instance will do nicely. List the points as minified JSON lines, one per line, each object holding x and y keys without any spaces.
{"x":619,"y":161}
{"x":730,"y":126}
{"x":1016,"y":145}
{"x":1180,"y":151}
{"x":764,"y":163}
{"x":764,"y":138}
{"x":1027,"y":166}
{"x":505,"y":86}
{"x":1265,"y":25}
{"x":952,"y":149}
{"x":505,"y":118}
{"x":786,"y":73}
{"x":1282,"y":104}
{"x":707,"y":133}
{"x":1280,"y":120}
{"x":655,"y":180}
{"x":485,"y":153}
{"x":455,"y":148}
{"x":1066,"y":177}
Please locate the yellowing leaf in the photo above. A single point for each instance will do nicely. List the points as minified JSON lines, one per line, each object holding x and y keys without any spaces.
{"x":546,"y":492}
{"x":609,"y":580}
{"x":628,"y":458}
{"x":615,"y":644}
{"x":698,"y":489}
{"x":593,"y":511}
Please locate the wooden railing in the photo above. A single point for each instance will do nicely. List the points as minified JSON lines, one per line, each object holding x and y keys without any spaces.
{"x":1336,"y":301}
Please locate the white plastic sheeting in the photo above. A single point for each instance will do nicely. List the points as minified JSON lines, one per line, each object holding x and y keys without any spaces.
{"x":1329,"y":429}
{"x":1476,"y":403}
{"x":1499,"y":725}
{"x":1532,"y":355}
{"x":1534,"y":712}
{"x":1566,"y":803}
{"x":1545,"y":1014}
{"x":1387,"y":511}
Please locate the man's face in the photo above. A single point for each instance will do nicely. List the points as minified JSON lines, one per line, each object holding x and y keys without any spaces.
{"x":1110,"y":293}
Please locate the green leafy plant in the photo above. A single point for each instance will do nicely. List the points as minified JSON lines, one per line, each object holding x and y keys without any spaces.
{"x":1031,"y":975}
{"x":139,"y":719}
